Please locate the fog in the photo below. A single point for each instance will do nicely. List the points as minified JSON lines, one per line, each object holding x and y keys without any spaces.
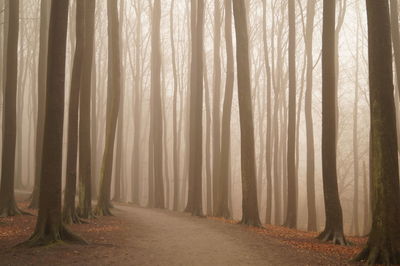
{"x":166,"y":99}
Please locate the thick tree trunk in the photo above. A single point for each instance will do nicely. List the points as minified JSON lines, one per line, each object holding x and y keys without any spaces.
{"x":383,"y":246}
{"x":333,"y":211}
{"x":42,"y":70}
{"x":69,"y":213}
{"x":311,"y":204}
{"x":291,"y":214}
{"x":113,"y":99}
{"x":85,"y":166}
{"x":8,"y":206}
{"x":249,"y":187}
{"x":49,"y":228}
{"x":223,"y":198}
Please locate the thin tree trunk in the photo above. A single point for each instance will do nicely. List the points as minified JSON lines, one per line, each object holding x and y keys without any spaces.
{"x":333,"y":211}
{"x":223,"y":199}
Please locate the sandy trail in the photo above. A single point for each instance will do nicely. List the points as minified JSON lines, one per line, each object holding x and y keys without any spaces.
{"x":161,"y":237}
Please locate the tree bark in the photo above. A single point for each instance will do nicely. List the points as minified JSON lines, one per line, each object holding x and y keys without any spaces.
{"x":311,"y":204}
{"x":113,"y":99}
{"x":85,"y":166}
{"x":333,"y":211}
{"x":291,"y":214}
{"x":383,"y":246}
{"x":223,"y":199}
{"x":49,"y":228}
{"x":249,"y":188}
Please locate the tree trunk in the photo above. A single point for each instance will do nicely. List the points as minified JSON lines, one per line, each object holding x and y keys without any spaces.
{"x":291,"y":214}
{"x":333,"y":211}
{"x":85,"y":166}
{"x":8,"y":206}
{"x":395,"y":32}
{"x":216,"y":103}
{"x":69,"y":213}
{"x":137,"y":109}
{"x":113,"y":99}
{"x":49,"y":228}
{"x":383,"y":246}
{"x":223,"y":199}
{"x":209,"y":180}
{"x":249,"y":187}
{"x":42,"y":70}
{"x":311,"y":204}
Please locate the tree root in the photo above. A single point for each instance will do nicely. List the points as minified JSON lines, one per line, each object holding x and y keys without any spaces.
{"x":72,"y":218}
{"x":378,"y":255}
{"x":102,"y":210}
{"x":59,"y":234}
{"x":12,"y":210}
{"x":251,"y":222}
{"x":336,"y":238}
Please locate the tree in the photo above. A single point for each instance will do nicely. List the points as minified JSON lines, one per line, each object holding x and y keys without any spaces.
{"x":8,"y":206}
{"x":176,"y":162}
{"x":268,"y":155}
{"x":223,"y":202}
{"x":156,"y":121}
{"x":49,"y":228}
{"x":69,"y":212}
{"x":42,"y":70}
{"x":249,"y":187}
{"x":196,"y":103}
{"x":333,"y":211}
{"x":383,"y":246}
{"x":113,"y":99}
{"x":85,"y":167}
{"x":216,"y":110}
{"x":137,"y":108}
{"x":291,"y":214}
{"x":311,"y":205}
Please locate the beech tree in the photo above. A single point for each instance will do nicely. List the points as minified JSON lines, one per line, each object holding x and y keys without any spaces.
{"x":113,"y":99}
{"x":49,"y":228}
{"x":249,"y":187}
{"x":333,"y":211}
{"x":383,"y":246}
{"x":8,"y":206}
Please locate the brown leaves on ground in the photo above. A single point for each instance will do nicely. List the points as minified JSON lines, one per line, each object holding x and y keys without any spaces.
{"x":105,"y":236}
{"x":307,"y":241}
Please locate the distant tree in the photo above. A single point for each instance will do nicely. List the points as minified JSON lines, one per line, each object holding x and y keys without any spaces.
{"x":383,"y":246}
{"x":8,"y":206}
{"x":85,"y":168}
{"x":268,"y":156}
{"x":49,"y":227}
{"x":311,"y":205}
{"x":291,"y":214}
{"x":216,"y":110}
{"x":223,"y":201}
{"x":333,"y":211}
{"x":69,"y":212}
{"x":395,"y":31}
{"x":249,"y":187}
{"x":113,"y":99}
{"x":137,"y":106}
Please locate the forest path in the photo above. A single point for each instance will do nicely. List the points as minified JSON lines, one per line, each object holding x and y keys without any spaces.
{"x":162,"y":237}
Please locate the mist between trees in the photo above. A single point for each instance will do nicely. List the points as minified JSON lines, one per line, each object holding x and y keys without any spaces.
{"x":253,"y":110}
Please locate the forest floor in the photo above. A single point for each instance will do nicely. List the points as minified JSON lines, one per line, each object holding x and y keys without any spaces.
{"x":140,"y":236}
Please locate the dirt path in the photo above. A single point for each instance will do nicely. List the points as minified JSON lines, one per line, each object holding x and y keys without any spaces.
{"x":140,"y":236}
{"x":159,"y":237}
